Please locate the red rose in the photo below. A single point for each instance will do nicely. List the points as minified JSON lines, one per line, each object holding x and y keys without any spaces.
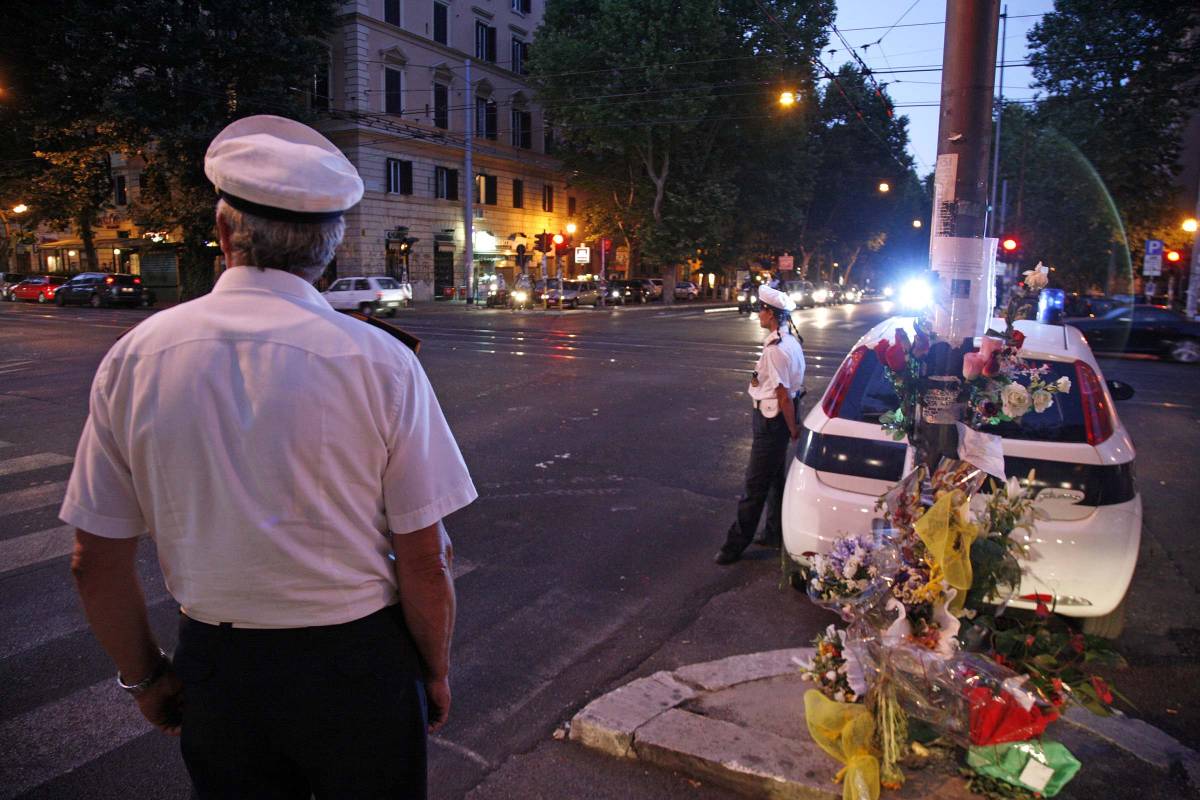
{"x":881,"y":348}
{"x":1017,"y":339}
{"x":1101,"y":689}
{"x":920,"y":346}
{"x":992,"y":368}
{"x":902,"y":339}
{"x":1077,"y":643}
{"x":1042,"y":609}
{"x":896,"y":358}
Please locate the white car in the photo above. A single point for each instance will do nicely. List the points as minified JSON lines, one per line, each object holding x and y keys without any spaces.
{"x":369,"y":295}
{"x":657,"y":288}
{"x":1084,"y":553}
{"x":686,"y":290}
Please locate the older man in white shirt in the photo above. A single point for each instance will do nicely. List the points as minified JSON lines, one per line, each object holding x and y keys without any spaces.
{"x":293,"y":467}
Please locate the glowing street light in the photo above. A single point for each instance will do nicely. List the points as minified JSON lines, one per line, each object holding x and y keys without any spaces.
{"x":1173,"y":256}
{"x":1190,"y":225}
{"x":571,"y":228}
{"x":884,"y":187}
{"x":916,"y":223}
{"x":787,"y":99}
{"x":21,"y":208}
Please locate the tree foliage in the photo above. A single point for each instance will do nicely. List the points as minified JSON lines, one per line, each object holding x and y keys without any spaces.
{"x":87,"y":81}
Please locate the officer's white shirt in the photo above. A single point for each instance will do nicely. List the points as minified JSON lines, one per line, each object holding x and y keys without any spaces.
{"x":269,"y":444}
{"x":780,"y":364}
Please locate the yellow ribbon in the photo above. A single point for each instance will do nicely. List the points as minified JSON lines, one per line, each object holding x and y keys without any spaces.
{"x":948,"y":539}
{"x":845,"y":731}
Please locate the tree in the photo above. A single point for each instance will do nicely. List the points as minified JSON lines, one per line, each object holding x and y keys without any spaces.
{"x":1118,"y":77}
{"x":663,"y":109}
{"x":160,"y":89}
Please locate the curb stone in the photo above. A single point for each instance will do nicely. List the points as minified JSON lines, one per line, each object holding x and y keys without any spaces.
{"x":1140,"y":739}
{"x":609,"y":722}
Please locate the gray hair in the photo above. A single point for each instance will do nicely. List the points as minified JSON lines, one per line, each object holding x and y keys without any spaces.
{"x":301,"y":248}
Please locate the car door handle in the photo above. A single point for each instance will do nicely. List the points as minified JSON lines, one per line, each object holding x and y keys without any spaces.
{"x":1053,"y":493}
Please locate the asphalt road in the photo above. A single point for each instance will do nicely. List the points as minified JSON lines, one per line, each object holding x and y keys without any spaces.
{"x":608,"y":448}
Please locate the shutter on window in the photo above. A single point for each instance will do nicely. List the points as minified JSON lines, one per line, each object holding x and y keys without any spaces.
{"x":451,"y":184}
{"x":490,"y":53}
{"x":406,"y":186}
{"x":393,"y":103}
{"x":489,"y":190}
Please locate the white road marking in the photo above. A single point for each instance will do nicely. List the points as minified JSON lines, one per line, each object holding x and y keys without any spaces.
{"x":47,"y":494}
{"x":33,"y":548}
{"x":29,"y":463}
{"x":70,"y":732}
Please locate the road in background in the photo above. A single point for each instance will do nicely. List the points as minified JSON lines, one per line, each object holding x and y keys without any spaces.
{"x":608,"y":448}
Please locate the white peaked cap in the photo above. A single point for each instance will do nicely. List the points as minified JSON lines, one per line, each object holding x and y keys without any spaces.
{"x":774,"y":297}
{"x":281,"y":169}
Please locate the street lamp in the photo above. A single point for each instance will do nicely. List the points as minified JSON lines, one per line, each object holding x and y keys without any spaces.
{"x":1190,"y":225}
{"x":571,"y":228}
{"x":19,"y":208}
{"x":916,"y":223}
{"x":884,"y":187}
{"x":787,"y":98}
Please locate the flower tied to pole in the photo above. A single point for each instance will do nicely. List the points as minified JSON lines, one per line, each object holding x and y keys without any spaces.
{"x":948,"y":537}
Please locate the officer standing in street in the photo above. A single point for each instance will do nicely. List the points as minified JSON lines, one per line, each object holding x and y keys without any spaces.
{"x":293,"y":466}
{"x":775,"y":389}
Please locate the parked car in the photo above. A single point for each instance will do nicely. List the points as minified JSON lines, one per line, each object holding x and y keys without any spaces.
{"x":369,"y":295}
{"x":823,"y":294}
{"x":1156,"y":330}
{"x":852,"y":294}
{"x":99,"y":289}
{"x":587,"y":293}
{"x":801,"y":292}
{"x":8,"y":280}
{"x":639,"y":290}
{"x":39,"y":288}
{"x":656,"y":288}
{"x":615,"y":292}
{"x":686,"y":290}
{"x":747,"y":296}
{"x":1086,"y":548}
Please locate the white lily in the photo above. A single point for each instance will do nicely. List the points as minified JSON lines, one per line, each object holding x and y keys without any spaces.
{"x":1037,"y":278}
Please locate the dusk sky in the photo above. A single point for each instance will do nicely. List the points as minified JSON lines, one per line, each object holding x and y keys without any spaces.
{"x":916,"y":43}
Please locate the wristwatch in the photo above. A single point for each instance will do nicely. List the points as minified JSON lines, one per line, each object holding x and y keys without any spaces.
{"x":135,"y":689}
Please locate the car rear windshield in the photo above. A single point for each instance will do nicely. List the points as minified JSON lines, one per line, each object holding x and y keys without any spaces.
{"x":125,"y":280}
{"x":871,"y":394}
{"x":387,"y":283}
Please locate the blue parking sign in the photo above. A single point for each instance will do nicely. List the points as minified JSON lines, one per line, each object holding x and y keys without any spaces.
{"x":1154,"y":247}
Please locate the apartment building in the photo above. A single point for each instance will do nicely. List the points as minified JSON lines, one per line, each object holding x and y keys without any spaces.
{"x":398,"y":97}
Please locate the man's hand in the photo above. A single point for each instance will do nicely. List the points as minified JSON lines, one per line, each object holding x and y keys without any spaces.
{"x":162,"y":703}
{"x":437,"y":693}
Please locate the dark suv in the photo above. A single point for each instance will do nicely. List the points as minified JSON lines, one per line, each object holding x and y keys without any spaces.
{"x":99,"y":289}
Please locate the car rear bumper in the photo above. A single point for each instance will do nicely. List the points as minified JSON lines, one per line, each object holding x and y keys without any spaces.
{"x":1081,"y":567}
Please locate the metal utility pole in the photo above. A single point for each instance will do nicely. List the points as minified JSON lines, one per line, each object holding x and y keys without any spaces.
{"x":962,"y":258}
{"x":1193,"y":290}
{"x":992,"y":231}
{"x":469,"y":185}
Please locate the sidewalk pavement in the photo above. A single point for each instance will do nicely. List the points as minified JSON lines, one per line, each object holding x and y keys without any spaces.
{"x":738,"y":723}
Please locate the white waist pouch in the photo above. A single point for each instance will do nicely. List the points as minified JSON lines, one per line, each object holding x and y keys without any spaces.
{"x":769,"y":408}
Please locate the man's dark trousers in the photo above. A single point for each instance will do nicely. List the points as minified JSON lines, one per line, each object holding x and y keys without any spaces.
{"x":765,"y":475}
{"x":336,"y":711}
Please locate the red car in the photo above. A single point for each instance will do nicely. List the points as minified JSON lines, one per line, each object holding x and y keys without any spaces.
{"x":40,"y":288}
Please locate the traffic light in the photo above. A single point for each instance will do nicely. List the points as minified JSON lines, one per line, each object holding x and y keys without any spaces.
{"x":406,"y":244}
{"x":1173,"y":256}
{"x":1009,"y":249}
{"x":559,"y":242}
{"x":542,"y":242}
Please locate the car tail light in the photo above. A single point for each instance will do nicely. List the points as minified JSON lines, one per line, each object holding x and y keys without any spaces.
{"x":1097,"y":416}
{"x":839,"y":387}
{"x":379,"y":295}
{"x":110,"y":280}
{"x":136,"y":281}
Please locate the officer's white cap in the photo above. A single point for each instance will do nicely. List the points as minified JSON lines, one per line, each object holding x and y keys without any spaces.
{"x":774,"y":297}
{"x":281,"y":169}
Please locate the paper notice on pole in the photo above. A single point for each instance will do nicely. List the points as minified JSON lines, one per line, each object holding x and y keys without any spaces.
{"x":1151,"y":265}
{"x":943,"y":195}
{"x":983,"y":450}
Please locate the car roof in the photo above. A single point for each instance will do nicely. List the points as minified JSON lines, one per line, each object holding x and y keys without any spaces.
{"x":1042,"y":340}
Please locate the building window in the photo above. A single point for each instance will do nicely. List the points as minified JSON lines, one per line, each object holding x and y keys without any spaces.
{"x":393,"y":95}
{"x":522,"y":6}
{"x":485,"y":189}
{"x":570,"y":206}
{"x":518,"y":193}
{"x":445,"y":183}
{"x":522,"y":124}
{"x":548,"y":198}
{"x":441,"y":105}
{"x":520,"y":54}
{"x":391,"y":12}
{"x":485,"y":42}
{"x":547,"y":136}
{"x":399,"y":176}
{"x":120,"y":195}
{"x":441,"y":23}
{"x":485,"y":118}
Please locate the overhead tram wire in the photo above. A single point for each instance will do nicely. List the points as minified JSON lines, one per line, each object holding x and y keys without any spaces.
{"x":866,"y":71}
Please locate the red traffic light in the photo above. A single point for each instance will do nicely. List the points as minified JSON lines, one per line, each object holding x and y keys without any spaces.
{"x":1173,"y":256}
{"x":558,"y":239}
{"x":1009,"y":244}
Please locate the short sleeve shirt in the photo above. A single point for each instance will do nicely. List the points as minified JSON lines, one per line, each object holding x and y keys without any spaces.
{"x":270,"y":445}
{"x":781,"y":364}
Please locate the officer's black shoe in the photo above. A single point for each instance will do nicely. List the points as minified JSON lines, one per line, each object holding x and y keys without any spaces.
{"x":762,"y":540}
{"x":727,"y":555}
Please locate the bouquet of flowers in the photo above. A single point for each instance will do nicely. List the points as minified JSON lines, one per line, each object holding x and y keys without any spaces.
{"x":833,"y":669}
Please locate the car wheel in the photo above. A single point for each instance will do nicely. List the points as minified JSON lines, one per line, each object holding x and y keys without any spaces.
{"x":1108,"y":626}
{"x":58,"y":300}
{"x":94,"y":301}
{"x":366,"y":309}
{"x":1186,"y":351}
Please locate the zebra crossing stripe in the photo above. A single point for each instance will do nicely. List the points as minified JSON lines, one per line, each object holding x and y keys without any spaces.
{"x":29,"y":463}
{"x":71,"y":732}
{"x":36,"y":547}
{"x":47,"y":494}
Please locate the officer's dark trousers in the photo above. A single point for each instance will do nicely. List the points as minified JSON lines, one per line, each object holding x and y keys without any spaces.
{"x":331,"y":712}
{"x":765,"y":476}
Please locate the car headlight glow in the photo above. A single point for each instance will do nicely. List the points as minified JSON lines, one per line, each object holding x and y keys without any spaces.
{"x":916,"y":294}
{"x":888,"y":291}
{"x":520,"y":296}
{"x":797,"y":296}
{"x":616,"y":293}
{"x":820,"y":295}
